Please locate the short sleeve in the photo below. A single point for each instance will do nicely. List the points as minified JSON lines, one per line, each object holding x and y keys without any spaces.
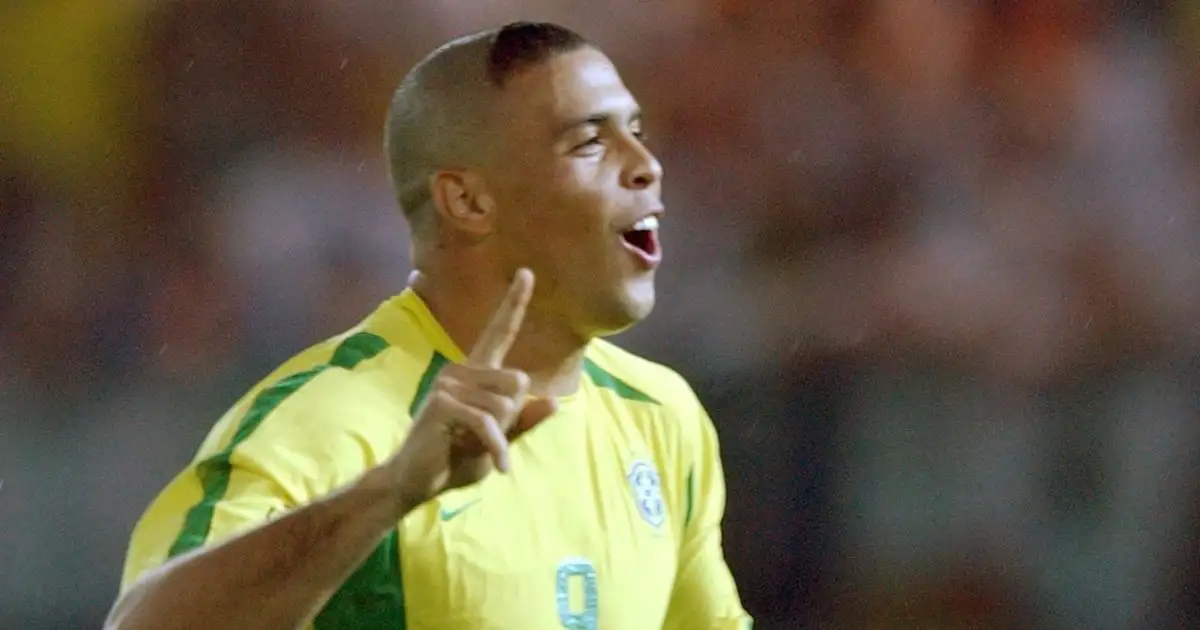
{"x":294,"y":442}
{"x":705,"y":595}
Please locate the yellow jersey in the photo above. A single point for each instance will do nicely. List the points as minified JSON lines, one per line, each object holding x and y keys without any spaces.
{"x":610,"y":518}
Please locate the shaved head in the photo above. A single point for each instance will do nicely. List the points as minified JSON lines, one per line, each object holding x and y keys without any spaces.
{"x":443,"y":114}
{"x":521,"y":147}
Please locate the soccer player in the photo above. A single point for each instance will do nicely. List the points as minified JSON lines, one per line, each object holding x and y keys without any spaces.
{"x":376,"y":480}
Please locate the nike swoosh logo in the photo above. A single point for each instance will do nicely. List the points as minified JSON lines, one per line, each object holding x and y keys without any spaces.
{"x":449,"y":514}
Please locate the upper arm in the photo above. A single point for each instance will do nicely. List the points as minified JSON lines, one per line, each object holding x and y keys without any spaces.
{"x":291,"y":444}
{"x":705,"y":595}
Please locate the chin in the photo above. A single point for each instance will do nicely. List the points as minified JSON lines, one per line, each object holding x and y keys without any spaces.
{"x":625,"y":311}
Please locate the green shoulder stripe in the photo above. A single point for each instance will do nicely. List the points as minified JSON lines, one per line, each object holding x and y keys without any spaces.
{"x":214,"y":472}
{"x":373,"y":597}
{"x":602,"y":378}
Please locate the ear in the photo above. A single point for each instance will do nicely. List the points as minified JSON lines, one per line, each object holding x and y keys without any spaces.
{"x":463,"y":202}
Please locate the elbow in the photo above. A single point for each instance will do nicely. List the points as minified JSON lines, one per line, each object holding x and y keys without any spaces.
{"x":131,"y":611}
{"x":116,"y":619}
{"x":120,"y":617}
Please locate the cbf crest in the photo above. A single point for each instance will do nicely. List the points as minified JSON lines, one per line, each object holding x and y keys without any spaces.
{"x":647,"y":492}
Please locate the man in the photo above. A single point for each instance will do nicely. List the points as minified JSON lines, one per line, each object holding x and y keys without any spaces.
{"x":351,"y":489}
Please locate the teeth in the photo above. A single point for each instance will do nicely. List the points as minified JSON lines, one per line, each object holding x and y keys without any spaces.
{"x":647,"y":224}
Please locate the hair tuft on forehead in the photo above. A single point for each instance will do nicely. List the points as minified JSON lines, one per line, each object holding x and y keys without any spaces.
{"x":519,"y":45}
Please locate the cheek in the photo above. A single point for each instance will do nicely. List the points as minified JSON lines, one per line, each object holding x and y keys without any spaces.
{"x":573,"y":211}
{"x":563,"y":220}
{"x":565,"y":234}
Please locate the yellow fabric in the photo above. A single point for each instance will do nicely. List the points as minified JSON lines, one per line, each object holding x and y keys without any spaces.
{"x":610,"y":518}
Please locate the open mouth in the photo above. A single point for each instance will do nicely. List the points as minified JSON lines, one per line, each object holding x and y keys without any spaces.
{"x":642,"y":239}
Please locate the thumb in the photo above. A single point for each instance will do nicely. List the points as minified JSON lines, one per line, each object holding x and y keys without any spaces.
{"x":532,"y":414}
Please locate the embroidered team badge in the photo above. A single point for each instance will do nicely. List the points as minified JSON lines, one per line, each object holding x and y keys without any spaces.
{"x":647,"y":492}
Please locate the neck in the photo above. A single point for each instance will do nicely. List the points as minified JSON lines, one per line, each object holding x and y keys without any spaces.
{"x":545,"y":349}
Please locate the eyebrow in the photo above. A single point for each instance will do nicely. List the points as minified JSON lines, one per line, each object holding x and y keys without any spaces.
{"x":595,"y":119}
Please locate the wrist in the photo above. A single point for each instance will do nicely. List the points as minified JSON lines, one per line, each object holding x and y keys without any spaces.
{"x":379,"y":490}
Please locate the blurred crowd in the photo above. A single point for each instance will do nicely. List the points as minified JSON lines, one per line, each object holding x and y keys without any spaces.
{"x":932,"y":266}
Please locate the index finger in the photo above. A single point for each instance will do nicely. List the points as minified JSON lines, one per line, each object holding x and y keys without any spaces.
{"x":498,"y":337}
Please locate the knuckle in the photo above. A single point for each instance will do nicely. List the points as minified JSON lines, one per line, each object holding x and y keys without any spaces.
{"x":434,"y":405}
{"x":440,"y":400}
{"x":484,"y":419}
{"x":506,"y":406}
{"x":520,"y":380}
{"x":467,"y":373}
{"x":442,"y":388}
{"x":451,"y":373}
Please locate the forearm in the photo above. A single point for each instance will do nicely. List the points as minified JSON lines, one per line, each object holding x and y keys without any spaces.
{"x":276,"y":576}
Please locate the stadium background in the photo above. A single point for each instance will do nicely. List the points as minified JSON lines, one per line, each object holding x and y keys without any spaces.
{"x":933,"y":266}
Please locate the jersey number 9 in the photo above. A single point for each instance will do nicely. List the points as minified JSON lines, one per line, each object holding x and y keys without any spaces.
{"x":577,"y":594}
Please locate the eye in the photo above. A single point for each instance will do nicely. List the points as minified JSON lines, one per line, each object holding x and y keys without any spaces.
{"x":592,"y":146}
{"x":590,"y":142}
{"x":637,"y":130}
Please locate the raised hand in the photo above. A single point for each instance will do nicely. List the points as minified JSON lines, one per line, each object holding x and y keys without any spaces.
{"x":474,"y":409}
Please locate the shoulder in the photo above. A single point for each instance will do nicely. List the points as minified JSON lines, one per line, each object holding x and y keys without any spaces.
{"x":352,"y":388}
{"x":346,"y":368}
{"x":380,"y":362}
{"x":688,"y":436}
{"x":659,"y":383}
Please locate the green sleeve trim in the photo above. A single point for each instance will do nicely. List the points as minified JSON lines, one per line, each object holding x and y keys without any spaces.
{"x":691,"y":498}
{"x":214,"y":472}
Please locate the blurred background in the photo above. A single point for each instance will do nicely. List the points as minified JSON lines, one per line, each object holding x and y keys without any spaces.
{"x":933,"y":267}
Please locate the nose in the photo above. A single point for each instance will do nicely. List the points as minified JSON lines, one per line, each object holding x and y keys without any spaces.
{"x":644,"y":169}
